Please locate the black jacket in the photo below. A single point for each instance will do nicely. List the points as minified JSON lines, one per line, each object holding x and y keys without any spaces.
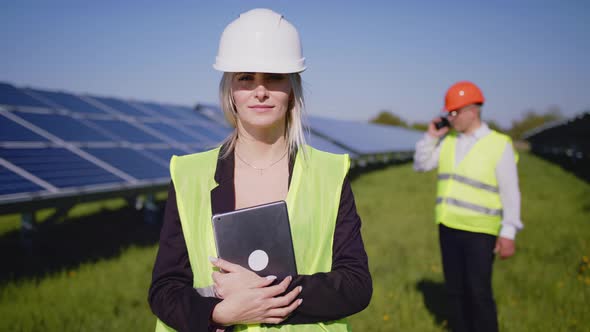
{"x":343,"y":291}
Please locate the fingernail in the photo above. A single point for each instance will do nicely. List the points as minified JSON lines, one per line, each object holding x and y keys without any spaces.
{"x":300,"y":289}
{"x":213,"y":259}
{"x":300,"y":300}
{"x":271,"y":277}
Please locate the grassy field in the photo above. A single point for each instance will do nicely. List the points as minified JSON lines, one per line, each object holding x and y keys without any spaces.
{"x":102,"y":284}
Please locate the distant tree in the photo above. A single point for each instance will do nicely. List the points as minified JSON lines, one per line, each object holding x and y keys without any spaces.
{"x":388,"y":118}
{"x":531,"y":120}
{"x":419,"y":126}
{"x":495,"y":126}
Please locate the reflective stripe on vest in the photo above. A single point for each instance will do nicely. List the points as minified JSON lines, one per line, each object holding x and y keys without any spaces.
{"x":468,"y":195}
{"x":470,"y":206}
{"x":471,"y":182}
{"x":312,"y":202}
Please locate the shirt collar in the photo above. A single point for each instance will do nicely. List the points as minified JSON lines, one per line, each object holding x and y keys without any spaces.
{"x":480,"y":132}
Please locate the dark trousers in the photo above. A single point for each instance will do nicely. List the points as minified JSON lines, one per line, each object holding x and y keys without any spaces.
{"x":467,"y":264}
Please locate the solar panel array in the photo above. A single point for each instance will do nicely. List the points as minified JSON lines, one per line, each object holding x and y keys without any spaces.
{"x":55,"y":143}
{"x":365,"y":138}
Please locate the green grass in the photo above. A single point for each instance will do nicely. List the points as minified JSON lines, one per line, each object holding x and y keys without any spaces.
{"x":12,"y":222}
{"x":545,"y":287}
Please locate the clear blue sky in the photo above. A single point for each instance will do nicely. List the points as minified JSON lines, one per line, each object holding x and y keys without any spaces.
{"x":362,"y":56}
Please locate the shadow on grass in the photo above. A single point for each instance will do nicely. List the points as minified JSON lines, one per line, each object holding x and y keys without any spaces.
{"x":66,"y":245}
{"x":434,"y":296}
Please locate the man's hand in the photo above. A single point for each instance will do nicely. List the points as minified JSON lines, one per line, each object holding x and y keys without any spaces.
{"x":433,"y":132}
{"x":504,"y":247}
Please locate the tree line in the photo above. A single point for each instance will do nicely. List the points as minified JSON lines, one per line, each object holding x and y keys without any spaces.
{"x":529,"y":120}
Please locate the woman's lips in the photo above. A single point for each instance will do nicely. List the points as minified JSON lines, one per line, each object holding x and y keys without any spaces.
{"x":261,"y":108}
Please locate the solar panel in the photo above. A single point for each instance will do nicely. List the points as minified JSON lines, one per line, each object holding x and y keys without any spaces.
{"x":58,"y":143}
{"x":58,"y":166}
{"x":132,"y":162}
{"x":119,"y":106}
{"x":176,"y":133}
{"x":10,"y":95}
{"x":64,"y":127}
{"x":12,"y":131}
{"x":68,"y":101}
{"x":126,"y":131}
{"x":166,"y":154}
{"x":207,"y":132}
{"x":366,"y":138}
{"x":179,"y":112}
{"x":158,"y":109}
{"x":326,"y":145}
{"x":13,"y":183}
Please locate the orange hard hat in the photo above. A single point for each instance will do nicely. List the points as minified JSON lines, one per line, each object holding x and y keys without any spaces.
{"x":462,"y":94}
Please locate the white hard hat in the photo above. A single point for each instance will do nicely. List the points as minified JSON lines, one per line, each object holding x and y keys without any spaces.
{"x":260,"y":40}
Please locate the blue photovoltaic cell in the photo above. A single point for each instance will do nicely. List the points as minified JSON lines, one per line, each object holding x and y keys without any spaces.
{"x":10,"y":95}
{"x":161,"y":110}
{"x":171,"y":132}
{"x":58,"y":166}
{"x":131,"y":162}
{"x":166,"y":154}
{"x":121,"y":106}
{"x":13,"y":183}
{"x":179,"y":112}
{"x":70,"y":102}
{"x":367,"y":138}
{"x":64,"y":127}
{"x":220,"y":130}
{"x":325,"y":145}
{"x":205,"y":119}
{"x":126,"y":131}
{"x":12,"y":131}
{"x":207,"y":132}
{"x":213,"y":113}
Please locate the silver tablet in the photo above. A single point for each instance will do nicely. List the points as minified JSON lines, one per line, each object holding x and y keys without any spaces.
{"x":257,"y":238}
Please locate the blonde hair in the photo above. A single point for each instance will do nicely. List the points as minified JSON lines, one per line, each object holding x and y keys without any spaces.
{"x":295,"y":122}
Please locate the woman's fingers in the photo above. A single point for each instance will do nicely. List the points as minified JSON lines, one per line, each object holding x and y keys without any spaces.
{"x":287,"y":299}
{"x":278,"y":315}
{"x":263,"y":282}
{"x":225,"y":265}
{"x":216,"y":276}
{"x":279,"y":289}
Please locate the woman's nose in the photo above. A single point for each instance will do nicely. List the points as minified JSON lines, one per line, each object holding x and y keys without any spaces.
{"x":261,"y":92}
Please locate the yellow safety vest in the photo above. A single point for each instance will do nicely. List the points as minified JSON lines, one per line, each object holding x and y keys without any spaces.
{"x":468,"y":197}
{"x":312,"y":202}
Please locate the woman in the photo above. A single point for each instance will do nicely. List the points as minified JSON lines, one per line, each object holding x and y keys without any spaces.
{"x":265,"y":159}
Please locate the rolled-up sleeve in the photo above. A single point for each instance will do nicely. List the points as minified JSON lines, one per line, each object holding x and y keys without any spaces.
{"x":507,"y":176}
{"x":427,"y":153}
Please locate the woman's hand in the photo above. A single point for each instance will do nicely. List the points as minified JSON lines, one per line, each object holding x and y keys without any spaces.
{"x":235,"y":278}
{"x":257,"y":305}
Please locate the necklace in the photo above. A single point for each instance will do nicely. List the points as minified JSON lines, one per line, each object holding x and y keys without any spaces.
{"x":260,"y":169}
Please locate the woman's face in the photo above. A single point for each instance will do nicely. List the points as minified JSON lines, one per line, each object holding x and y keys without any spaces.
{"x":261,"y":99}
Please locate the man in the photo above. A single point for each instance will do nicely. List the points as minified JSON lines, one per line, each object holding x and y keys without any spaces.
{"x":477,"y":206}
